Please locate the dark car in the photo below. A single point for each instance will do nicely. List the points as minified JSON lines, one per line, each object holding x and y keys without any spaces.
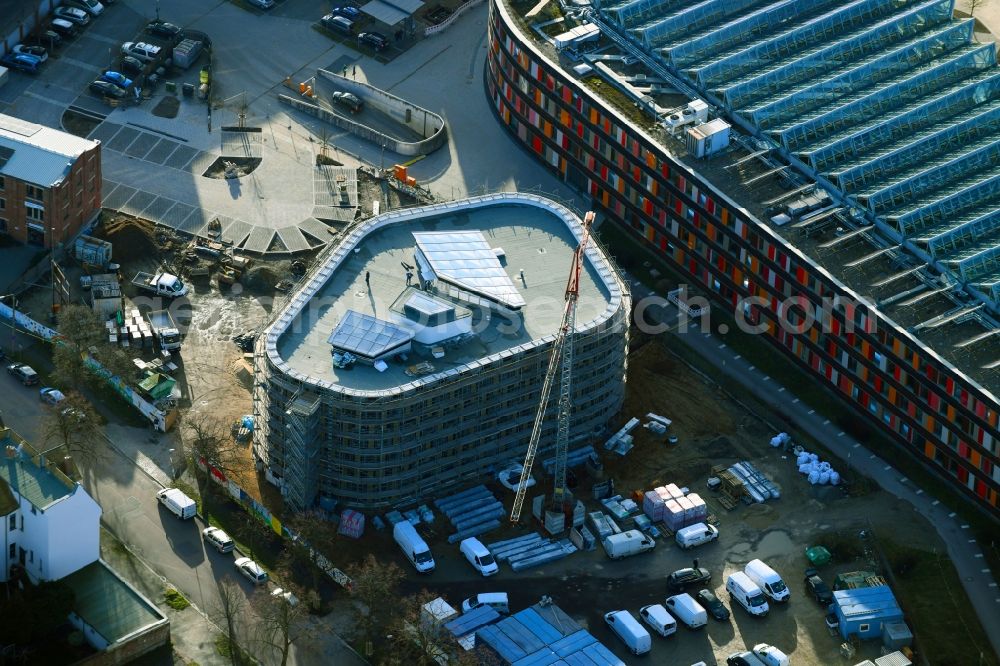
{"x":818,"y":588}
{"x":376,"y":40}
{"x":107,"y":89}
{"x":130,"y":65}
{"x":683,"y":578}
{"x":72,"y":14}
{"x":23,"y":373}
{"x":48,"y":39}
{"x":163,"y":29}
{"x":64,"y":28}
{"x":713,"y":605}
{"x":32,"y":50}
{"x":742,"y":659}
{"x":25,"y":63}
{"x":348,"y":11}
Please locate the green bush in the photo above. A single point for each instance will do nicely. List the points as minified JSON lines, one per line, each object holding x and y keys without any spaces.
{"x":175,"y":599}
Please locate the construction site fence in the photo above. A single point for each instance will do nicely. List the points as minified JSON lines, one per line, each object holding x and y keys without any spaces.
{"x":461,"y":9}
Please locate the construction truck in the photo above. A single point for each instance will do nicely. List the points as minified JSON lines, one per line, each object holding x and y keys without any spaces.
{"x":161,"y":284}
{"x":168,"y":336}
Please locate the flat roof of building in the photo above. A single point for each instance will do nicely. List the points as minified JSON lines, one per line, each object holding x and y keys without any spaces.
{"x":538,"y":237}
{"x":37,"y":154}
{"x":27,"y":474}
{"x":110,"y":605}
{"x":864,"y":263}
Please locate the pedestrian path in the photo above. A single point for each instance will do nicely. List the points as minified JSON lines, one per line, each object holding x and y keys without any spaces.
{"x":963,"y":550}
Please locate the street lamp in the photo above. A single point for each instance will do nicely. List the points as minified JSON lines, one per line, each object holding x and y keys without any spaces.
{"x":173,"y":472}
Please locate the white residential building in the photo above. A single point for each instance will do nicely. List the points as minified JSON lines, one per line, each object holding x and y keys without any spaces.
{"x":51,"y":526}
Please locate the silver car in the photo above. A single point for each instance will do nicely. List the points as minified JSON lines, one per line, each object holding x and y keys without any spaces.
{"x":252,"y":571}
{"x":72,"y":14}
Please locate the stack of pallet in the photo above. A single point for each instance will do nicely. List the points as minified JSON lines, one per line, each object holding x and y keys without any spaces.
{"x":671,"y":506}
{"x":471,"y":512}
{"x":530,"y":550}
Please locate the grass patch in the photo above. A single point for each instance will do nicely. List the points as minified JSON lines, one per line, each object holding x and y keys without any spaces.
{"x":625,"y":104}
{"x":930,"y":593}
{"x":639,"y":260}
{"x":241,"y":656}
{"x":175,"y":599}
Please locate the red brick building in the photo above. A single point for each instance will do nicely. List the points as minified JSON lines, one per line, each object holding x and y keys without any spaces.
{"x":50,"y":182}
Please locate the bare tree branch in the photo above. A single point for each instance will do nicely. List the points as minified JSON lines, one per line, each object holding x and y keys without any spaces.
{"x":229,"y":614}
{"x":74,"y":426}
{"x":282,"y":622}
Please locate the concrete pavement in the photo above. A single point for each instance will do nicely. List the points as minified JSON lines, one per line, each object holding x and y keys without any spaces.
{"x":964,"y":552}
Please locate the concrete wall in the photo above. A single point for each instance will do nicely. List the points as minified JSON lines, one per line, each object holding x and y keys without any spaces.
{"x":426,"y":123}
{"x":73,"y":535}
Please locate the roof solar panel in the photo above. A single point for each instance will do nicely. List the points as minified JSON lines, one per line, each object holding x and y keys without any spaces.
{"x":368,"y":336}
{"x":466,"y":260}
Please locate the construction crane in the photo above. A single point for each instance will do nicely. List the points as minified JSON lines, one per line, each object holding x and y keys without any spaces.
{"x":561,"y":358}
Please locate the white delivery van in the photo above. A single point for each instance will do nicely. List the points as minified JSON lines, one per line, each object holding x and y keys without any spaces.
{"x":496,"y":600}
{"x":770,"y":655}
{"x":413,"y":546}
{"x":695,"y":535}
{"x":768,"y":580}
{"x":177,"y":503}
{"x":745,"y":592}
{"x":630,"y":542}
{"x":629,"y":630}
{"x":659,"y":620}
{"x":479,"y":557}
{"x":687,"y":610}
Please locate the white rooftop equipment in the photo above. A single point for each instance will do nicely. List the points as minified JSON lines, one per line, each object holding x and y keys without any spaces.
{"x":431,"y":318}
{"x":369,"y":338}
{"x":466,"y":267}
{"x":708,"y":138}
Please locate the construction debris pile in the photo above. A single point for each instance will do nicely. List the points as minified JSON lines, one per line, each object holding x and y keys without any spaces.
{"x":471,"y":512}
{"x":530,"y":550}
{"x":818,"y":472}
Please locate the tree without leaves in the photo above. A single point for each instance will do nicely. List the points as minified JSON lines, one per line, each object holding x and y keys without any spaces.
{"x":281,"y":623}
{"x":74,"y":426}
{"x":417,"y":642}
{"x":251,"y":531}
{"x":79,"y":330}
{"x":311,"y":531}
{"x":374,"y":585}
{"x":207,"y":438}
{"x":974,"y":5}
{"x":229,"y":614}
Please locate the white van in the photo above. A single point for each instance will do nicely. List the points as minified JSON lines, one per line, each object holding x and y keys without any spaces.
{"x":413,"y":546}
{"x":768,"y":580}
{"x":687,"y":610}
{"x":770,"y":655}
{"x":695,"y":535}
{"x":495,"y":600}
{"x":177,"y":503}
{"x":657,"y":617}
{"x":630,"y":542}
{"x":479,"y":557}
{"x":629,"y":630}
{"x":745,"y":592}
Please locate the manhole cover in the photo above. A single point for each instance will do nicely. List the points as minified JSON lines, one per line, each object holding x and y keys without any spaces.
{"x":168,"y":107}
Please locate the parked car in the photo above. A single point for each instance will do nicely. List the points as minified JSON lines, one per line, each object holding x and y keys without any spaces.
{"x":348,"y":11}
{"x":683,"y":578}
{"x":132,"y":66}
{"x":48,"y":39}
{"x":713,"y":605}
{"x":141,"y":51}
{"x":106,"y":89}
{"x":743,"y":659}
{"x":496,"y":600}
{"x":51,"y":396}
{"x":92,"y":7}
{"x":34,"y":51}
{"x":21,"y":61}
{"x":218,"y":539}
{"x":23,"y":373}
{"x":816,"y":587}
{"x":163,"y":29}
{"x":65,"y":28}
{"x":770,"y":655}
{"x":479,"y":557}
{"x":347,"y":100}
{"x":72,"y":14}
{"x":251,"y":570}
{"x":338,"y":22}
{"x":116,"y":78}
{"x":376,"y":40}
{"x":261,"y":4}
{"x":510,"y":478}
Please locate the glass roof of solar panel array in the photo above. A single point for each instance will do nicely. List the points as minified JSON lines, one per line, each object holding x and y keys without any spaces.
{"x":367,"y":336}
{"x":466,"y":260}
{"x":893,"y":102}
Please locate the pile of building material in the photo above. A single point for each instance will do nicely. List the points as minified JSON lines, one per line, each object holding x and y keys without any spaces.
{"x":464,"y":627}
{"x":574,"y":458}
{"x":619,"y":507}
{"x":352,"y":523}
{"x":602,"y":525}
{"x":530,"y":550}
{"x":421,"y":514}
{"x":674,"y":506}
{"x":622,"y":442}
{"x":542,"y":634}
{"x":134,"y":330}
{"x":471,"y":512}
{"x":759,"y":488}
{"x":782,"y":439}
{"x":657,"y":424}
{"x":818,"y":472}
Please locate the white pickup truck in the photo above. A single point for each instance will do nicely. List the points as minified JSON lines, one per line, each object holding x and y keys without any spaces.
{"x":167,"y":334}
{"x":161,"y":284}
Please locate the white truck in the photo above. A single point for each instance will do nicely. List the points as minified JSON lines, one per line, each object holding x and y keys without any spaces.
{"x":167,"y":334}
{"x":161,"y":284}
{"x":630,"y":542}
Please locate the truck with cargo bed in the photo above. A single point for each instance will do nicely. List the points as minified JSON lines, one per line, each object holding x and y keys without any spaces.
{"x":168,"y":336}
{"x":161,"y":284}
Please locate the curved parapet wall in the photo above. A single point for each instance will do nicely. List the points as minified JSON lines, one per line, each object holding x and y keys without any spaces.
{"x":425,"y":123}
{"x":374,"y":438}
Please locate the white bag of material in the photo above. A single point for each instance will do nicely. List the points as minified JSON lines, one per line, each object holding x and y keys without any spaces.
{"x":814,"y":477}
{"x":802,"y":459}
{"x":824,"y":466}
{"x":805,"y":469}
{"x":775,"y":442}
{"x":824,"y":478}
{"x":813,"y":457}
{"x":834,"y":478}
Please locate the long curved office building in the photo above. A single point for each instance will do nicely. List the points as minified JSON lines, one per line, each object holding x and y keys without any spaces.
{"x":849,"y":208}
{"x":412,"y":360}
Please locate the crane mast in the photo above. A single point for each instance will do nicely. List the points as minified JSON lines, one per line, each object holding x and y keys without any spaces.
{"x":561,"y":359}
